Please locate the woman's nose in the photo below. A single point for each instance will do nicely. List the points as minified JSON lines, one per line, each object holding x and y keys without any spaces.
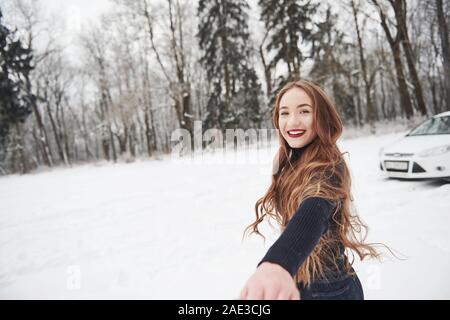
{"x":294,"y":121}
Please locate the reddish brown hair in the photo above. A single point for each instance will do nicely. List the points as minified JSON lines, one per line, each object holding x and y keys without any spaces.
{"x":320,"y":171}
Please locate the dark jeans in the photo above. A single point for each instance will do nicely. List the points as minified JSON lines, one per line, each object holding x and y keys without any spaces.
{"x":347,"y":287}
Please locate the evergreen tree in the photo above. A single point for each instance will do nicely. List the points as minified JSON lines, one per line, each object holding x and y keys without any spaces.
{"x":15,"y":65}
{"x":234,"y":90}
{"x":289,"y":23}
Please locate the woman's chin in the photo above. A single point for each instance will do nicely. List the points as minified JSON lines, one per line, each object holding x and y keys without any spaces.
{"x":296,"y":144}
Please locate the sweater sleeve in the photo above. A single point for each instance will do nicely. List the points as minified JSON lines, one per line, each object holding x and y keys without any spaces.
{"x":301,"y":234}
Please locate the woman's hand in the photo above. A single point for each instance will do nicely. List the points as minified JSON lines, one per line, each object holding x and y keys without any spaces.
{"x":270,"y":282}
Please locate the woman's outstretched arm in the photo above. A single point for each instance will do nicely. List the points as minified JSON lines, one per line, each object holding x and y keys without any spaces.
{"x":273,"y":277}
{"x":301,"y":235}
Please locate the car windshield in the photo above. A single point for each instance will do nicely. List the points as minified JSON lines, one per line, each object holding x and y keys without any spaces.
{"x":439,"y":125}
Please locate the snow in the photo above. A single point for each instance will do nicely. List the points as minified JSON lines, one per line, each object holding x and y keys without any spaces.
{"x":167,"y":229}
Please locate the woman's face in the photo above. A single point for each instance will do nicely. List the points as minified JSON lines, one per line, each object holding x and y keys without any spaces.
{"x":295,"y":118}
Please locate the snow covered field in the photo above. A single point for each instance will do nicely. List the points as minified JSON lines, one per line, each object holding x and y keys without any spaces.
{"x":168,"y":230}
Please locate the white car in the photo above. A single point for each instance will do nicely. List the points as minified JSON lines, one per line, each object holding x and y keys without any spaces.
{"x":423,"y":153}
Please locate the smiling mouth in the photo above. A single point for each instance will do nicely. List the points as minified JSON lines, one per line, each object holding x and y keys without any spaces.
{"x":296,"y":133}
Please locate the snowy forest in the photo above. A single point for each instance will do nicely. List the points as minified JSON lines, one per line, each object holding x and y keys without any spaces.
{"x":118,"y":87}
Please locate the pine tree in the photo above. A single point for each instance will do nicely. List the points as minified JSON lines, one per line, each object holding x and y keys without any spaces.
{"x":15,"y":65}
{"x":224,"y":38}
{"x":289,"y":23}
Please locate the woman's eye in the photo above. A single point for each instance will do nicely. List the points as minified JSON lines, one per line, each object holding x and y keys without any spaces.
{"x":304,"y":111}
{"x":283,"y":113}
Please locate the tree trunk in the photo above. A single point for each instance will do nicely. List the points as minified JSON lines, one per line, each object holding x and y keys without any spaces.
{"x":370,"y":116}
{"x":184,"y":88}
{"x":399,"y":7}
{"x":19,"y":157}
{"x":227,"y":80}
{"x":149,"y":124}
{"x":394,"y":43}
{"x":55,"y":130}
{"x":383,"y":96}
{"x":267,"y":69}
{"x":43,"y":137}
{"x":444,"y":35}
{"x":64,"y":138}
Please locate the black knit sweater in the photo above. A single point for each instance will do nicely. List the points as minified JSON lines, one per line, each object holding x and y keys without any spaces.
{"x":301,"y":234}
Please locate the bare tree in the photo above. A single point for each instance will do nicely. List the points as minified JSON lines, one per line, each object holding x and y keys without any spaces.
{"x":400,"y":10}
{"x":395,"y":43}
{"x":179,"y":88}
{"x":444,"y":36}
{"x":54,"y":81}
{"x":267,"y":67}
{"x":370,"y":116}
{"x":95,"y":44}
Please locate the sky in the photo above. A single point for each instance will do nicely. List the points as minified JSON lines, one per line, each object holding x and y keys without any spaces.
{"x":67,"y":18}
{"x":78,"y":11}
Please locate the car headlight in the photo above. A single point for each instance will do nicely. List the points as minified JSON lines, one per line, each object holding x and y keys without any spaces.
{"x":380,"y":152}
{"x":435,"y":151}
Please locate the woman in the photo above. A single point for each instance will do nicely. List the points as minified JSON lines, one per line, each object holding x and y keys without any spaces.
{"x":310,"y":198}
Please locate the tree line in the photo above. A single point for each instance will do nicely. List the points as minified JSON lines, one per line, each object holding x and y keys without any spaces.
{"x":145,"y":68}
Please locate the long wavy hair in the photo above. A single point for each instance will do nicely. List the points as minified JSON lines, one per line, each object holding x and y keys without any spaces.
{"x":318,"y":171}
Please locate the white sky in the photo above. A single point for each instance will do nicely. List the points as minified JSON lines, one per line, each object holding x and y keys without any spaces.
{"x":77,"y":11}
{"x":67,"y":18}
